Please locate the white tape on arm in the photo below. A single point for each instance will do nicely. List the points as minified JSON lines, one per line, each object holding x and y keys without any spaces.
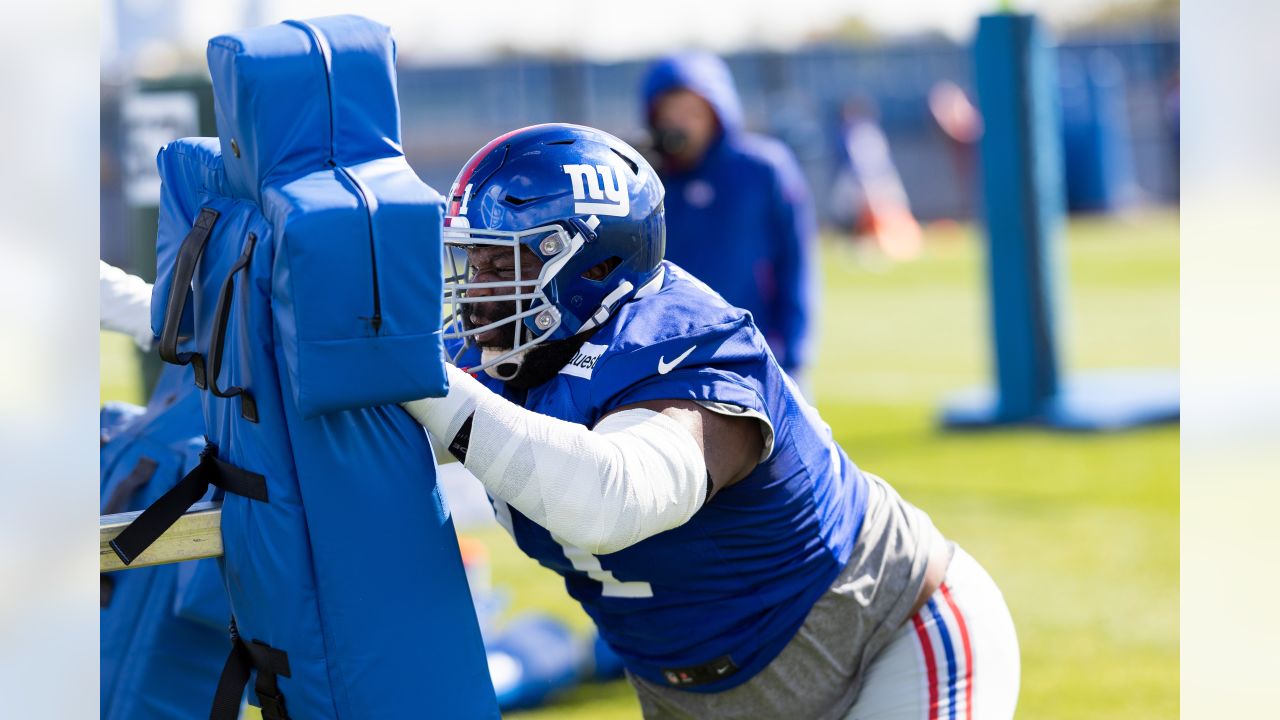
{"x":638,"y":473}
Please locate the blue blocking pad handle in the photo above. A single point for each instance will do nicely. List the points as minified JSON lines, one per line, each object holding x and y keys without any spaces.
{"x":195,"y":165}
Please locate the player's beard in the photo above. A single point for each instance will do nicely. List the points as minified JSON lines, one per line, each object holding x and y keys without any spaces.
{"x":499,"y":338}
{"x":545,"y":360}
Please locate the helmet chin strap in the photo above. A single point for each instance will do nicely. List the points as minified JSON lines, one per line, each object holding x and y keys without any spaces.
{"x":505,"y":370}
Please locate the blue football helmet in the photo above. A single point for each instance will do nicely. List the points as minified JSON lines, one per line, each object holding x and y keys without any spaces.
{"x":578,"y":198}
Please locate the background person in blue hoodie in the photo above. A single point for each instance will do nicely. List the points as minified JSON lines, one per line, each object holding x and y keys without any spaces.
{"x":739,"y":213}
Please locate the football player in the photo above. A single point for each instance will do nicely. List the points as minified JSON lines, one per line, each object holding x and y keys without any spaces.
{"x":637,"y":436}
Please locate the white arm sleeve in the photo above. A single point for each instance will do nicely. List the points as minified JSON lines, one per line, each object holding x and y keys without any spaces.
{"x":124,"y":304}
{"x":638,"y":473}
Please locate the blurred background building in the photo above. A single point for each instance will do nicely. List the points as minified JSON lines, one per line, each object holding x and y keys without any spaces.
{"x":465,"y":80}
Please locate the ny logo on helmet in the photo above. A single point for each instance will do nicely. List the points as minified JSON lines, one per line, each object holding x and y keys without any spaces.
{"x":599,"y":182}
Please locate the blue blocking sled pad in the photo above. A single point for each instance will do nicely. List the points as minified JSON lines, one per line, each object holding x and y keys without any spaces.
{"x":299,"y":275}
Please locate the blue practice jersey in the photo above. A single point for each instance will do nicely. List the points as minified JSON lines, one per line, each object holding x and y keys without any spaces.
{"x":722,"y":594}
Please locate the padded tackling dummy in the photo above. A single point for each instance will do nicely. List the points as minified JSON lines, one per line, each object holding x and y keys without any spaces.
{"x":300,"y":276}
{"x":163,"y":629}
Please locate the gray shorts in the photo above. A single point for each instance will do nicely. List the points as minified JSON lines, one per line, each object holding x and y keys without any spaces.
{"x":818,"y":674}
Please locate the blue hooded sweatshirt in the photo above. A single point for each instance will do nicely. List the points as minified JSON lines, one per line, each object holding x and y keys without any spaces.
{"x":741,"y":220}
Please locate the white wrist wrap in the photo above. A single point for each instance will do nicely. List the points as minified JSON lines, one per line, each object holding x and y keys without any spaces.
{"x":638,"y":473}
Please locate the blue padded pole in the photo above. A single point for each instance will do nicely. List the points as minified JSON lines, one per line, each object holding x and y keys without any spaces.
{"x":1022,"y":181}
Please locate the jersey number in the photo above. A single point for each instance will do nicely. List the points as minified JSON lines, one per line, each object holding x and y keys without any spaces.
{"x":583,"y":561}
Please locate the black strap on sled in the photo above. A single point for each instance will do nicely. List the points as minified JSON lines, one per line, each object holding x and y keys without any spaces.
{"x":140,"y":475}
{"x":165,"y":511}
{"x":217,"y":343}
{"x":245,"y":657}
{"x":180,"y":287}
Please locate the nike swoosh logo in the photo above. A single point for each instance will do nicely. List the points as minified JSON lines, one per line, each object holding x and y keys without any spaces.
{"x":666,"y":367}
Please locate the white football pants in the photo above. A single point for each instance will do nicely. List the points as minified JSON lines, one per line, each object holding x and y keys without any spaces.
{"x":956,"y":659}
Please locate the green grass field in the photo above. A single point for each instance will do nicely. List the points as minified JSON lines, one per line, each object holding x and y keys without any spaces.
{"x":1080,"y":531}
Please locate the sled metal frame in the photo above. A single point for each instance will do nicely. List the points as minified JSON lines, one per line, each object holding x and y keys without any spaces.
{"x":196,"y":535}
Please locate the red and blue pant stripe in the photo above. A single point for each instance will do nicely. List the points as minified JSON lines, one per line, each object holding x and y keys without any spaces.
{"x":948,"y":656}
